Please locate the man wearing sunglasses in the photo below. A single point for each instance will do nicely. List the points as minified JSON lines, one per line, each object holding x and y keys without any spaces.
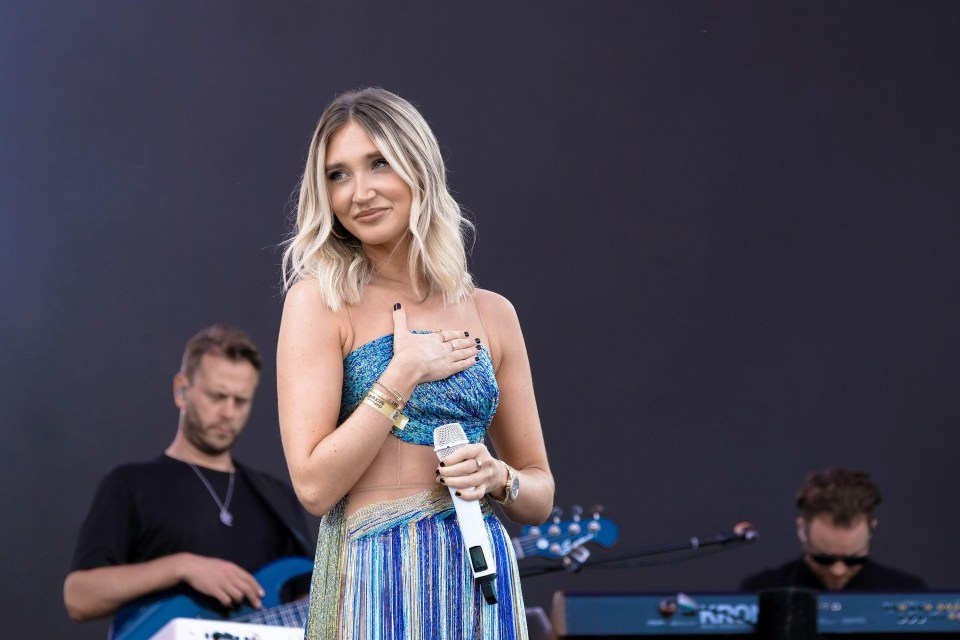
{"x":835,"y":527}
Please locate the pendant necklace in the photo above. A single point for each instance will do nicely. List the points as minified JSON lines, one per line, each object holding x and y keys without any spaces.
{"x":225,"y":516}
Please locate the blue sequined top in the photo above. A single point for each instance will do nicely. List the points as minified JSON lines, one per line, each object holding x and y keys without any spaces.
{"x":469,"y":397}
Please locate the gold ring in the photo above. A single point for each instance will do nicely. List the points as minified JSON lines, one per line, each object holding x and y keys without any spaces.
{"x":479,"y":464}
{"x":440,"y":333}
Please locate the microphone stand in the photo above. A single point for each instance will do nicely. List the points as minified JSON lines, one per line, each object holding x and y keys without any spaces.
{"x":574,"y":561}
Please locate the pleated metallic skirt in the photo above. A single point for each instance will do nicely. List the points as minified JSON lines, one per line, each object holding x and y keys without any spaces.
{"x":397,"y":570}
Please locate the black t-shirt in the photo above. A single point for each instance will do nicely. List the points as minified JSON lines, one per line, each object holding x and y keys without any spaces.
{"x":143,"y":511}
{"x":871,"y":577}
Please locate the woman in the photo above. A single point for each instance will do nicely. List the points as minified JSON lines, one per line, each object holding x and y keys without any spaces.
{"x":384,"y":338}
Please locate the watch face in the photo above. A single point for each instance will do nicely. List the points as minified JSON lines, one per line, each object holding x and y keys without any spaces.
{"x":514,"y":487}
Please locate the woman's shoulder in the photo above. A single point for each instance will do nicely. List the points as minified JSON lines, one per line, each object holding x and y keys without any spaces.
{"x":303,"y":289}
{"x":502,"y":326}
{"x":305,"y":294}
{"x":494,"y":308}
{"x":304,"y":306}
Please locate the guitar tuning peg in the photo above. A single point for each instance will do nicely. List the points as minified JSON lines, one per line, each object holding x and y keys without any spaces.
{"x":594,"y":525}
{"x":556,"y":513}
{"x":574,"y":526}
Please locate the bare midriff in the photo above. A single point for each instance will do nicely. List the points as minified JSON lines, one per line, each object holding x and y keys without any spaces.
{"x":400,"y":470}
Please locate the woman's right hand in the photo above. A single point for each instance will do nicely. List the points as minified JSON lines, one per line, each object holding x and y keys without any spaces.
{"x":431,"y":356}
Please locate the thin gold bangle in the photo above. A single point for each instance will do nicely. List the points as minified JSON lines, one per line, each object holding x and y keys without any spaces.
{"x":399,"y":396}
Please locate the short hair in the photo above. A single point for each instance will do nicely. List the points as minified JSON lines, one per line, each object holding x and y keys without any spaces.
{"x":219,"y":340}
{"x":841,"y":494}
{"x":437,"y":254}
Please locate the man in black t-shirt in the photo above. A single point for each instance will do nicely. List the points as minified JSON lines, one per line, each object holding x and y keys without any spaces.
{"x":836,"y":525}
{"x":192,"y":520}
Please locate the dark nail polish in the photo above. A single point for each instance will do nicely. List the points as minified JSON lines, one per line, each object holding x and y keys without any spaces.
{"x":479,"y":346}
{"x":442,"y":464}
{"x":477,"y":358}
{"x":438,"y":471}
{"x":477,"y":340}
{"x":396,"y":307}
{"x":466,"y":334}
{"x":442,"y":481}
{"x":457,"y":493}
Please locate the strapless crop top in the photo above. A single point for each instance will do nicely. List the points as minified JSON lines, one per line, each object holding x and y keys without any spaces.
{"x":469,"y":397}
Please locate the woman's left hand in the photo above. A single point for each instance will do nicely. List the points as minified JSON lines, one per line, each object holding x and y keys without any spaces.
{"x":472,"y":472}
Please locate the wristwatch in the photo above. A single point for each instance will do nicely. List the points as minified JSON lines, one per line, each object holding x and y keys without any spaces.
{"x":512,"y":487}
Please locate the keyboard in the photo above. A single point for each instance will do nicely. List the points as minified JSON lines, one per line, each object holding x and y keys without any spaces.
{"x":584,"y":614}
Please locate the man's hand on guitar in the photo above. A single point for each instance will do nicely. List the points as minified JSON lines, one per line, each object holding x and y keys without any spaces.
{"x":223,"y":580}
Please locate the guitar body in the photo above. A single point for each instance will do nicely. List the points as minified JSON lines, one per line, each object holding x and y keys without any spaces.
{"x":142,"y":622}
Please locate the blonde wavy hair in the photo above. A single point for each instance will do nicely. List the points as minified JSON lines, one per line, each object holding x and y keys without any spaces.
{"x":437,"y":256}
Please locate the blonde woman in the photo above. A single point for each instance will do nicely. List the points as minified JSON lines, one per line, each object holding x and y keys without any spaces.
{"x":383,"y":338}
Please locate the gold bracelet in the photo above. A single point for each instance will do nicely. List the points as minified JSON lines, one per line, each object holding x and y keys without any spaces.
{"x":383,"y":404}
{"x":399,"y":396}
{"x":383,"y":397}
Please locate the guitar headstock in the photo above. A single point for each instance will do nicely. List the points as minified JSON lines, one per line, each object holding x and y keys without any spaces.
{"x":559,"y":538}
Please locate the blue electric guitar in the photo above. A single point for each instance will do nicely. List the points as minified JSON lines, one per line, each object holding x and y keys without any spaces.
{"x":141,"y":622}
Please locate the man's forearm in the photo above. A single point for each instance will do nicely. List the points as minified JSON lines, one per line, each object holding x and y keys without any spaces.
{"x":95,"y":593}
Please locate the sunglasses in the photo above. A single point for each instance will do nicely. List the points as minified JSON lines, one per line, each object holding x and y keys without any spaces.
{"x":828,"y":560}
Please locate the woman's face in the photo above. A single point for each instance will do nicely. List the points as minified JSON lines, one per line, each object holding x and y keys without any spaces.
{"x":368,"y":197}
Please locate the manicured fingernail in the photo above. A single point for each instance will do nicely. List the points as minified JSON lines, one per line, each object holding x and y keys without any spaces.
{"x":477,"y":358}
{"x":438,"y":471}
{"x":479,"y":346}
{"x":466,"y":334}
{"x":442,"y":481}
{"x":396,"y":307}
{"x":442,"y":464}
{"x":477,"y":340}
{"x":456,"y":493}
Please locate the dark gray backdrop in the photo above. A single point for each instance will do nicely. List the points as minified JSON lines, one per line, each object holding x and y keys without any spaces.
{"x":729,"y":229}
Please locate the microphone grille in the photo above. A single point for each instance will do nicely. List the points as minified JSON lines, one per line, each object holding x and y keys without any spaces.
{"x":447,"y":438}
